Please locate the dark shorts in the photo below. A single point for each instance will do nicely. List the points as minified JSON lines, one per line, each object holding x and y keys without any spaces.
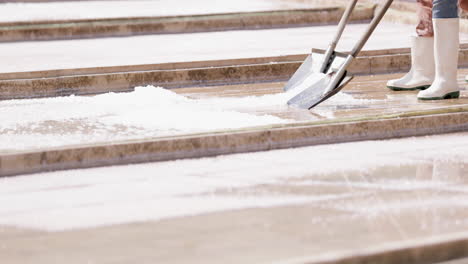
{"x":437,"y":9}
{"x":445,"y":9}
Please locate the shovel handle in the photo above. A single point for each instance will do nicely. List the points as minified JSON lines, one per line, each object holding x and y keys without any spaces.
{"x":375,"y":21}
{"x":341,"y":27}
{"x":343,"y":21}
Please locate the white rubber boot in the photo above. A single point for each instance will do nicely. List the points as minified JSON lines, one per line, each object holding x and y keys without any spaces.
{"x":422,"y":71}
{"x":446,"y":45}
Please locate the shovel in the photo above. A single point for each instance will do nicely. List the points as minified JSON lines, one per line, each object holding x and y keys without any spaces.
{"x":324,"y":72}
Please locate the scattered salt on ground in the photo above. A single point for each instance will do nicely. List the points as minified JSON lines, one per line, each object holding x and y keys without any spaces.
{"x":280,"y":100}
{"x":146,"y":112}
{"x":115,"y":195}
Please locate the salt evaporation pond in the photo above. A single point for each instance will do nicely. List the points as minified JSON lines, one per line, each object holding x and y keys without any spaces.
{"x":146,"y":112}
{"x":348,"y":177}
{"x":13,"y":12}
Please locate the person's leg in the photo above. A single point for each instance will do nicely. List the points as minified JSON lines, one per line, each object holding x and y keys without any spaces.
{"x":424,"y":27}
{"x":422,"y":70}
{"x":446,"y":45}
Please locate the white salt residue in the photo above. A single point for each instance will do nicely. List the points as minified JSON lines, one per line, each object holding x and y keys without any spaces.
{"x":154,"y":108}
{"x":120,"y":212}
{"x":83,"y":53}
{"x":376,"y":207}
{"x":279,"y":100}
{"x":176,"y":112}
{"x":111,"y":9}
{"x":270,"y":101}
{"x":345,"y":99}
{"x":146,"y":112}
{"x":405,"y":185}
{"x":115,"y":195}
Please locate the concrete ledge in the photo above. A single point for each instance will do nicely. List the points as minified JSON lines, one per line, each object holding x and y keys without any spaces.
{"x":150,"y":67}
{"x":228,"y":142}
{"x":126,"y":81}
{"x":92,"y":28}
{"x":447,"y":248}
{"x":175,"y":75}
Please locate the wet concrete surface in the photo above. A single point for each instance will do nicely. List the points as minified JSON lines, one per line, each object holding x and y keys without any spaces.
{"x":397,"y":201}
{"x":364,"y":96}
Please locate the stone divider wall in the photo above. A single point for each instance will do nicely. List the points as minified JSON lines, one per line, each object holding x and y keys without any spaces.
{"x":129,"y":26}
{"x":125,"y":78}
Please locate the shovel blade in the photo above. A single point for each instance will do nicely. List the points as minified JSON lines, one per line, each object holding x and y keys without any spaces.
{"x":306,"y":69}
{"x":318,"y":92}
{"x":312,"y":65}
{"x":310,"y":87}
